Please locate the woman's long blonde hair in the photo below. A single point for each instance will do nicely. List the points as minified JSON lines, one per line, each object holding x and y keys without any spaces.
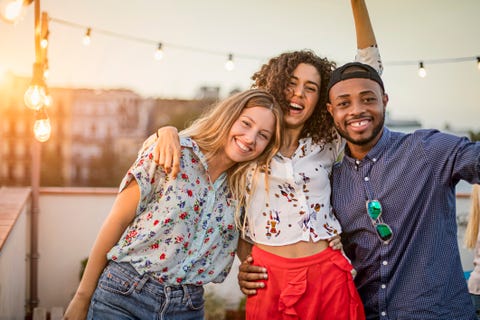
{"x":471,"y":233}
{"x":211,"y":129}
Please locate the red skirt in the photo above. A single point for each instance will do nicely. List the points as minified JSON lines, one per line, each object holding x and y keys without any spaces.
{"x":309,"y":288}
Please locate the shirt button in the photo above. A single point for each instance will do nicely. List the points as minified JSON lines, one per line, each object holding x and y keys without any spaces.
{"x":384,"y":286}
{"x":383,"y":313}
{"x":385,"y":262}
{"x":366,"y":178}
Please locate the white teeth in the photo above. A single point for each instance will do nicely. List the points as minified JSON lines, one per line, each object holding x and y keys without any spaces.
{"x":242,"y":146}
{"x":359,"y":124}
{"x":296,"y":106}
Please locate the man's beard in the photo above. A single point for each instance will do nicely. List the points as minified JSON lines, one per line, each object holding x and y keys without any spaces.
{"x":362,"y":141}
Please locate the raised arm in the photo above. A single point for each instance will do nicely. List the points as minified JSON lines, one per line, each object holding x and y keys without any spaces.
{"x":366,"y":43}
{"x":363,"y":25}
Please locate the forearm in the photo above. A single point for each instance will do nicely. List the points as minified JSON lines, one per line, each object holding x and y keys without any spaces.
{"x":121,"y":215}
{"x":97,"y":260}
{"x":243,"y":249}
{"x":363,"y":25}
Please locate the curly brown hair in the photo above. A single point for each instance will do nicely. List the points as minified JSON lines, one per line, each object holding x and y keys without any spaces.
{"x":274,"y":77}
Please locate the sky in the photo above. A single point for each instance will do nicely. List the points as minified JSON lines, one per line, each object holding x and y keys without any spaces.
{"x":197,"y":36}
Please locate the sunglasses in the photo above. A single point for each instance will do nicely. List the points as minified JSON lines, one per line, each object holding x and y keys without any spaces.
{"x":374,"y":210}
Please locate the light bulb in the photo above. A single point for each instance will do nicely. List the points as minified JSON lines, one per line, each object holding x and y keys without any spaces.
{"x":159,"y":52}
{"x":34,"y":97}
{"x":11,"y":10}
{"x":229,"y":65}
{"x":48,"y":100}
{"x":42,"y":127}
{"x":422,"y":73}
{"x":86,"y":37}
{"x":44,"y":43}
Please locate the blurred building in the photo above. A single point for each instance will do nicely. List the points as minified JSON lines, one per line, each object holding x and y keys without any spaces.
{"x":16,"y":122}
{"x":101,"y":132}
{"x":95,"y":135}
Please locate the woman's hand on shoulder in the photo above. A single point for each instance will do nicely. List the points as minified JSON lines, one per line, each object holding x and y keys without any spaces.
{"x":167,"y":150}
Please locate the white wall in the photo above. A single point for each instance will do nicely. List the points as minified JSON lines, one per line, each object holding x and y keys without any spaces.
{"x":68,"y":225}
{"x":14,"y":269}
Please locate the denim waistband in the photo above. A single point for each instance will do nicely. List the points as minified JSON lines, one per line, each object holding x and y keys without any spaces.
{"x":150,"y":283}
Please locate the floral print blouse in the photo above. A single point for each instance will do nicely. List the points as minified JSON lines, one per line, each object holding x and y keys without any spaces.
{"x":296,"y":204}
{"x":184,"y":230}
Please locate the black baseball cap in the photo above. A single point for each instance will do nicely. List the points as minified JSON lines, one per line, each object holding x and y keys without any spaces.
{"x":353,"y":70}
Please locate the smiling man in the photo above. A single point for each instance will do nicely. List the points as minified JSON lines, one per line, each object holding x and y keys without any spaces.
{"x":394,"y":195}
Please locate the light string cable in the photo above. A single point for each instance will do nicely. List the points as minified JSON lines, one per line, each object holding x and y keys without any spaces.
{"x":229,"y":54}
{"x":156,"y":43}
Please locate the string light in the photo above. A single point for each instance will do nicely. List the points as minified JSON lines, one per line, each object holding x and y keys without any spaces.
{"x":159,"y":52}
{"x":48,"y":98}
{"x":44,"y":43}
{"x":46,"y":71}
{"x":34,"y":97}
{"x":242,"y":56}
{"x":42,"y":127}
{"x":12,"y":11}
{"x":229,"y":65}
{"x":422,"y":73}
{"x":87,"y":36}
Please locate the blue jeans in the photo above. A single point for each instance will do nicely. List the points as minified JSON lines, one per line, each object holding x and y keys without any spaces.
{"x":123,"y":294}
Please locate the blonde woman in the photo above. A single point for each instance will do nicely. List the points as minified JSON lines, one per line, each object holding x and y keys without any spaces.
{"x":165,"y":238}
{"x":472,"y":241}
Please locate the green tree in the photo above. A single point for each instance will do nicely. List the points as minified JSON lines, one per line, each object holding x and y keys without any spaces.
{"x":474,"y":136}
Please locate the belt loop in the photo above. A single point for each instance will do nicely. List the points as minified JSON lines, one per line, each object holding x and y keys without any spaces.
{"x":139,"y":285}
{"x":167,"y":290}
{"x":186,"y":293}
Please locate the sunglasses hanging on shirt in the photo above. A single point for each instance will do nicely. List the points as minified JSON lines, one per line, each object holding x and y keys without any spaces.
{"x":374,"y":210}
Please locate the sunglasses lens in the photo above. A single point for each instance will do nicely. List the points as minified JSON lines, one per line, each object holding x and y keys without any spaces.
{"x":384,"y":231}
{"x":374,"y":209}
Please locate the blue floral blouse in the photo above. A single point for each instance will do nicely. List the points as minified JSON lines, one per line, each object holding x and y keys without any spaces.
{"x":184,"y":230}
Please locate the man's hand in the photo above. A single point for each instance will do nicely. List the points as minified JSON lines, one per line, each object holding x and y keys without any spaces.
{"x":248,"y":276}
{"x":335,"y":242}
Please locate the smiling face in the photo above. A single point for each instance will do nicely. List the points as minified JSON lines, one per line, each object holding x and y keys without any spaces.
{"x":302,"y":93}
{"x":250,"y":134}
{"x":358,"y":110}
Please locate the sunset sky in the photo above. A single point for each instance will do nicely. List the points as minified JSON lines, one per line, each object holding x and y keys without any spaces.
{"x":197,"y":36}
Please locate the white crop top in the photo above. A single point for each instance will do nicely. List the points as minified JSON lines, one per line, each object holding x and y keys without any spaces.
{"x":297,"y":204}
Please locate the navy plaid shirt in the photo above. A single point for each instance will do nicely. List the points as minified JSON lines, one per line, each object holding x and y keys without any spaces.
{"x":418,"y":275}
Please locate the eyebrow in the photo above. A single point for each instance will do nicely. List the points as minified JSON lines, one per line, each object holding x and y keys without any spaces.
{"x":346,"y":95}
{"x":308,"y":81}
{"x":251,"y":119}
